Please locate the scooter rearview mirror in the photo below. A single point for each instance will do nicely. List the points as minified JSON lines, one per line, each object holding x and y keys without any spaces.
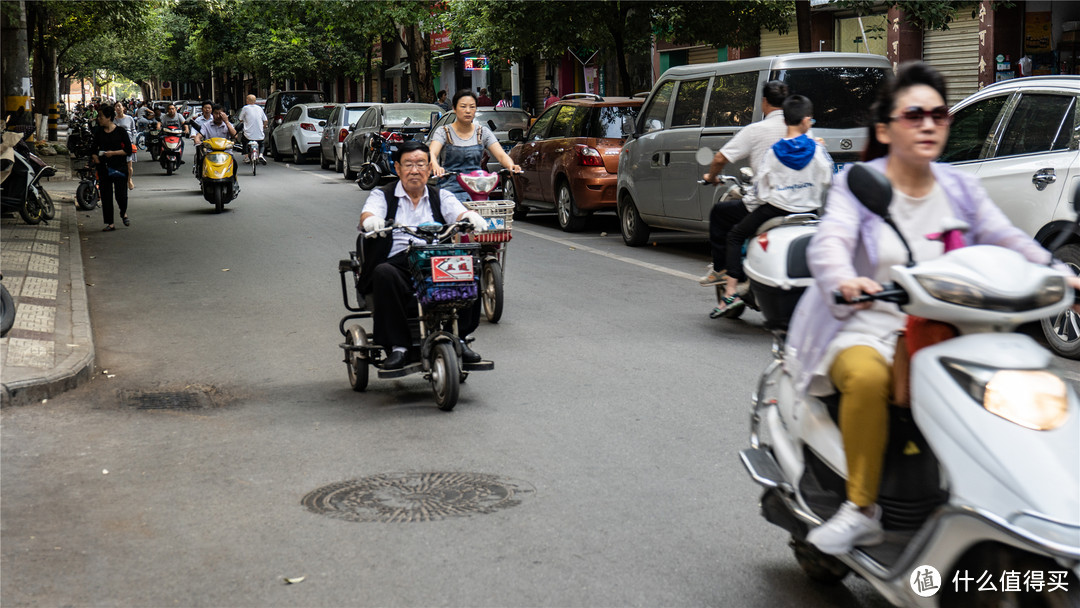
{"x":704,"y":156}
{"x":872,"y":189}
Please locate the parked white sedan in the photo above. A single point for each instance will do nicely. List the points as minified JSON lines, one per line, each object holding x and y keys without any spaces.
{"x":1020,"y":137}
{"x":298,"y":134}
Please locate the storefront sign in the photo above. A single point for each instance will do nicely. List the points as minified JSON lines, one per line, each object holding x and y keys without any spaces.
{"x":476,"y":63}
{"x":440,"y":41}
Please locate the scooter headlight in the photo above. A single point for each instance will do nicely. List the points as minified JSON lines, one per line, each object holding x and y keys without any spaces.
{"x":218,"y":157}
{"x":961,"y":292}
{"x":480,"y":183}
{"x":1033,"y":399}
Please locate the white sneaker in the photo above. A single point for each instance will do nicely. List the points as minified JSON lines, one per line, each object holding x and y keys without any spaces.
{"x":847,"y":529}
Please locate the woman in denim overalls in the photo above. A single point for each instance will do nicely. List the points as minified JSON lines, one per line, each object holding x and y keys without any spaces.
{"x":463,"y":149}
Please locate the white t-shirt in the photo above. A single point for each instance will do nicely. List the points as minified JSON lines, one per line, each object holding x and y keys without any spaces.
{"x":412,"y":215}
{"x":253,"y":117}
{"x":878,"y":325}
{"x":754,"y":141}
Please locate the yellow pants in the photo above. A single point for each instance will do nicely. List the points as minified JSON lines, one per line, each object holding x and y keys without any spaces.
{"x":864,"y":380}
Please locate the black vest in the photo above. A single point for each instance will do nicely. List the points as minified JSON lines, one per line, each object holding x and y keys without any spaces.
{"x":376,"y":250}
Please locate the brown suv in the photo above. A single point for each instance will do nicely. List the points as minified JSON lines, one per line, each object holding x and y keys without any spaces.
{"x":570,"y":157}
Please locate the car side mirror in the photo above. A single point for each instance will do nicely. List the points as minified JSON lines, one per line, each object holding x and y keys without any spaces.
{"x":352,"y":128}
{"x":653,"y":125}
{"x":516,"y":135}
{"x":491,"y":125}
{"x":627,"y":126}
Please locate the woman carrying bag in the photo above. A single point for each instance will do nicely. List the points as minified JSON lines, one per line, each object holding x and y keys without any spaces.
{"x":113,"y":148}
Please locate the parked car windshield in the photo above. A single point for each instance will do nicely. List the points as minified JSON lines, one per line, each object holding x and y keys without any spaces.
{"x":396,"y":116}
{"x":320,"y":113}
{"x":504,"y":119}
{"x":841,"y":96}
{"x":608,"y":122}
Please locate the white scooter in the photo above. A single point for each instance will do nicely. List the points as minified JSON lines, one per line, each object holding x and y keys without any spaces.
{"x":980,"y":490}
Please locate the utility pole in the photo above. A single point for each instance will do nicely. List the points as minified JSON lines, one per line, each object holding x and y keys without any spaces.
{"x":14,"y":56}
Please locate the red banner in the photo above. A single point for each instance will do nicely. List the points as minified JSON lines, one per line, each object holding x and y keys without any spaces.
{"x":440,"y":41}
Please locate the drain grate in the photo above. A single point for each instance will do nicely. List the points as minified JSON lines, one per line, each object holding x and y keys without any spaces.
{"x":165,"y":400}
{"x":416,"y":497}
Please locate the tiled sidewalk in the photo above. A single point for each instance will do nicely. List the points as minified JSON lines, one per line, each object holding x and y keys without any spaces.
{"x":50,"y":348}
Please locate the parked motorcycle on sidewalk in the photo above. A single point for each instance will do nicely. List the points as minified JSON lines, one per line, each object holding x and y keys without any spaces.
{"x":87,"y":194}
{"x":172,"y":151}
{"x":445,"y":282}
{"x":980,"y":474}
{"x":217,"y":178}
{"x":20,"y":190}
{"x":7,"y":310}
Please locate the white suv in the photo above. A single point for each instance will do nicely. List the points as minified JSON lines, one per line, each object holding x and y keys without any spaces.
{"x":1022,"y":138}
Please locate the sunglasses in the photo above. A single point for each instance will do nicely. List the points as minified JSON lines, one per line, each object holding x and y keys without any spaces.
{"x":914,"y":116}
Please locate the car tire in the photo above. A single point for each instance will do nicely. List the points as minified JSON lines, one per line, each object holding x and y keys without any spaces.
{"x":567,"y":211}
{"x":347,"y":171}
{"x":635,"y":232}
{"x":337,"y":162}
{"x":510,"y":194}
{"x":298,"y":156}
{"x":1062,"y":331}
{"x":323,"y":163}
{"x":274,"y":153}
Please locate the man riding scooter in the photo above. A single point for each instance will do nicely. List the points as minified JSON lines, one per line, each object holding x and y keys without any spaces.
{"x":407,"y":202}
{"x":218,"y":127}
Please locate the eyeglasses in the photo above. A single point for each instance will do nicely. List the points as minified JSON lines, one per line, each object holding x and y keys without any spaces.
{"x":914,"y":116}
{"x":414,"y":166}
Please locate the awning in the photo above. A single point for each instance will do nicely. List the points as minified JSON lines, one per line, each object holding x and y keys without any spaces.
{"x":398,"y":70}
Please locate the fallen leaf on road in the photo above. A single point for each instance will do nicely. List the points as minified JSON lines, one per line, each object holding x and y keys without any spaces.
{"x":224,"y":270}
{"x":293,"y":581}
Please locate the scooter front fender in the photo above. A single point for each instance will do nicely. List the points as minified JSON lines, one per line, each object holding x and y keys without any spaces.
{"x":218,"y":168}
{"x":999,"y":466}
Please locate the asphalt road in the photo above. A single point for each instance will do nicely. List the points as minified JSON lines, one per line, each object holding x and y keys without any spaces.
{"x":615,"y":411}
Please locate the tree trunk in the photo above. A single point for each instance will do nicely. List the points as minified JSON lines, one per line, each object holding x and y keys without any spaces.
{"x":802,"y":19}
{"x":367,"y":73}
{"x":15,"y":59}
{"x":421,"y":79}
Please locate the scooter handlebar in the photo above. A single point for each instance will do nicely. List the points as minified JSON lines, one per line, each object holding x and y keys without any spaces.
{"x":891,"y":293}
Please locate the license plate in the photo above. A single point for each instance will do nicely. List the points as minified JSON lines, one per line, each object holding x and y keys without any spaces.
{"x":838,"y":167}
{"x":496,"y":223}
{"x":449,"y":268}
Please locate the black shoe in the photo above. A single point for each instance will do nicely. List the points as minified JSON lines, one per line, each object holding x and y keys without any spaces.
{"x":469,"y":355}
{"x":395,"y":360}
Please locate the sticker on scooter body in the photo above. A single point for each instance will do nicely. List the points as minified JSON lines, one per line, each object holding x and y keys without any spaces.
{"x":450,"y":268}
{"x":496,"y":223}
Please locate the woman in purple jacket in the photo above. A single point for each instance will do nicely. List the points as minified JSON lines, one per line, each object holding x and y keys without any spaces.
{"x":849,"y":348}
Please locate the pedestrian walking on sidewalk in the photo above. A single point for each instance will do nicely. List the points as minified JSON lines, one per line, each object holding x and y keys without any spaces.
{"x":128,"y":124}
{"x":113,"y":147}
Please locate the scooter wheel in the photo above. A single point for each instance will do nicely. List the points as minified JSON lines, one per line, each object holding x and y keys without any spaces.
{"x":817,"y":565}
{"x":492,"y":291}
{"x":445,"y":376}
{"x":86,"y":196}
{"x":7,"y":311}
{"x":356,"y":360}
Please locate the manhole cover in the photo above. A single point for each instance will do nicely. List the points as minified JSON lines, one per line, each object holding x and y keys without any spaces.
{"x":165,"y":400}
{"x":409,"y":497}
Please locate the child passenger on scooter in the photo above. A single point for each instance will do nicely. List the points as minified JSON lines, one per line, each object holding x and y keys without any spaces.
{"x":795,"y":174}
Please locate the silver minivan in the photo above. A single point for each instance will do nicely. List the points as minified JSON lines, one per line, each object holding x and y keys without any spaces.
{"x":693,"y":106}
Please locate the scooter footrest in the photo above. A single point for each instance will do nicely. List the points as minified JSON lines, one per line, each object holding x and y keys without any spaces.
{"x":479,"y":366}
{"x":763,"y":468}
{"x":412,"y":368}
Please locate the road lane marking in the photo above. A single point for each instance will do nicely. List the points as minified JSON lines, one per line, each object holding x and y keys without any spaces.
{"x":320,"y":173}
{"x":606,"y":254}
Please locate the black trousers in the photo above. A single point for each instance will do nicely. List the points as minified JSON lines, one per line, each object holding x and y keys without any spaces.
{"x":108,"y":185}
{"x":730,"y":225}
{"x":395,"y":304}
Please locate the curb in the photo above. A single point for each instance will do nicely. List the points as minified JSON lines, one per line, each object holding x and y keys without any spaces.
{"x":77,"y":367}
